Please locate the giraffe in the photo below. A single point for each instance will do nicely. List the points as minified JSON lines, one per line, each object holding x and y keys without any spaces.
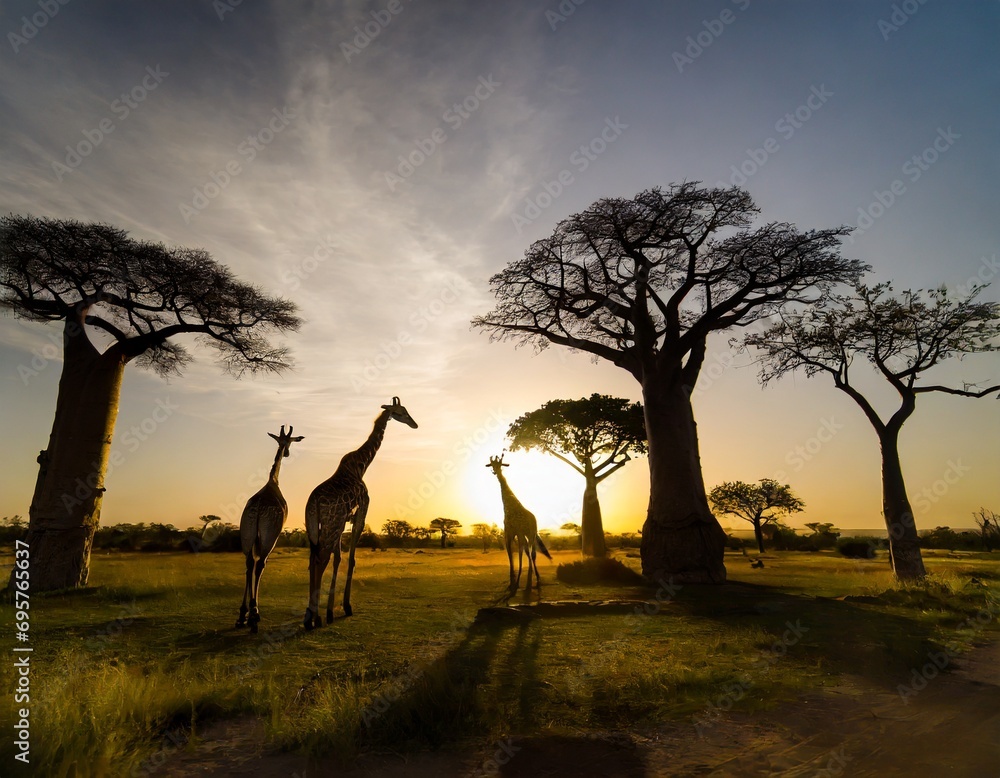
{"x":261,"y":523}
{"x":519,"y":526}
{"x":340,"y":499}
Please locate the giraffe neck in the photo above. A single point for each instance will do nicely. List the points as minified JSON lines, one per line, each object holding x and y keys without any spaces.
{"x":276,"y":467}
{"x":364,"y":455}
{"x":506,"y":494}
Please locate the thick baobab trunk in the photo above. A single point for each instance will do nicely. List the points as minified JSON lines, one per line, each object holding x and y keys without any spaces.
{"x":904,"y":544}
{"x":681,"y":539}
{"x":66,"y":506}
{"x":758,"y":533}
{"x":591,"y":524}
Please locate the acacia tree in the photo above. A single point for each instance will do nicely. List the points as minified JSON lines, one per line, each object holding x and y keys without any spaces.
{"x":759,"y":504}
{"x":901,"y":338}
{"x":594,"y":436}
{"x":642,"y":283}
{"x":487,"y":534}
{"x":444,"y":526}
{"x":118,"y":300}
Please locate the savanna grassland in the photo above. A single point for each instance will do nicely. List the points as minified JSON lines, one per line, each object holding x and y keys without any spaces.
{"x":128,"y":674}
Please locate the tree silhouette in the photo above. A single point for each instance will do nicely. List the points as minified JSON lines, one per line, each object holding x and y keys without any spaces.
{"x":759,"y":504}
{"x":901,"y":338}
{"x":444,"y":526}
{"x":397,"y":531}
{"x":642,"y":283}
{"x":594,"y":436}
{"x":989,"y":527}
{"x":487,"y":534}
{"x":104,"y":287}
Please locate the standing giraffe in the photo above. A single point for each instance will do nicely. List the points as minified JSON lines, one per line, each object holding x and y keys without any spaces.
{"x":519,"y":526}
{"x":260,"y":525}
{"x":340,"y":499}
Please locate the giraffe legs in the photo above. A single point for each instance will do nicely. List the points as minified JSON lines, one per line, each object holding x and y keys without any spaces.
{"x":508,"y":542}
{"x":254,"y":618}
{"x":333,"y":581}
{"x":317,"y":565}
{"x":242,"y":620}
{"x":356,"y":529}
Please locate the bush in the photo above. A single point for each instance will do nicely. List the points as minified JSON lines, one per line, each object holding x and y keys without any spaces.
{"x":855,"y":548}
{"x":597,"y":571}
{"x":946,"y":537}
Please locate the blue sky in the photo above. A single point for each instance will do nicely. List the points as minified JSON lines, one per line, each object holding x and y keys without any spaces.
{"x":376,"y":162}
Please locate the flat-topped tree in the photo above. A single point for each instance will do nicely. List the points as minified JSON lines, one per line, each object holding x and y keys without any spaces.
{"x":642,"y":283}
{"x":593,"y":435}
{"x":901,"y":337}
{"x":119,"y":300}
{"x":760,"y":504}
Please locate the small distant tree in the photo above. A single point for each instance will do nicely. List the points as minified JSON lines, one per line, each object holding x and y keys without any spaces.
{"x":207,"y":519}
{"x":759,"y":504}
{"x":397,"y":532}
{"x":571,"y":527}
{"x":594,"y":436}
{"x":444,"y":526}
{"x":117,"y":301}
{"x":487,"y":533}
{"x":989,"y":527}
{"x":901,"y":337}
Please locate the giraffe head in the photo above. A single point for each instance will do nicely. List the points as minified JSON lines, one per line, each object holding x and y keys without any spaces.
{"x":399,"y":413}
{"x":496,"y":463}
{"x":285,"y":441}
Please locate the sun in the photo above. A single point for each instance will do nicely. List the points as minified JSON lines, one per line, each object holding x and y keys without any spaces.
{"x":550,"y":489}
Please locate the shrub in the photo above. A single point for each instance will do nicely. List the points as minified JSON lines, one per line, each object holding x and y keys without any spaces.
{"x":598,"y":570}
{"x":854,"y":548}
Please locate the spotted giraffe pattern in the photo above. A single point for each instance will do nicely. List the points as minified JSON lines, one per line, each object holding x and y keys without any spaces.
{"x":342,"y":498}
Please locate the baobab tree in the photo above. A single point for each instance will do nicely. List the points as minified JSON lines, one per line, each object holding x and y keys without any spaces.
{"x":760,"y":504}
{"x":901,"y":338}
{"x":593,"y":435}
{"x":118,"y":301}
{"x":642,"y":283}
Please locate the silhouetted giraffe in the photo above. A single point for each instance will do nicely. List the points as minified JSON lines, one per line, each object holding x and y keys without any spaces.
{"x":340,"y":499}
{"x":260,"y":525}
{"x":518,"y":525}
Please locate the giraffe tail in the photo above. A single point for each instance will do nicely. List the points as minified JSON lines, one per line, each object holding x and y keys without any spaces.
{"x":541,"y":547}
